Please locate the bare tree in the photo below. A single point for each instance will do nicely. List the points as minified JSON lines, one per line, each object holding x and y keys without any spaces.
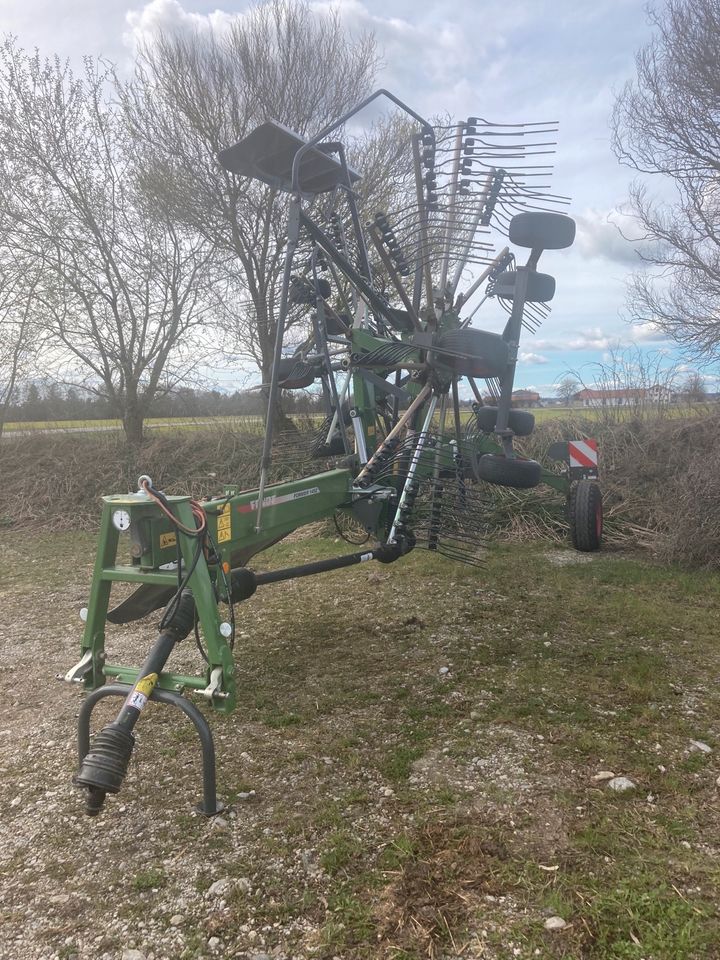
{"x":667,"y":123}
{"x":693,"y":388}
{"x":567,"y":388}
{"x":123,"y":289}
{"x":18,"y":330}
{"x":194,"y":94}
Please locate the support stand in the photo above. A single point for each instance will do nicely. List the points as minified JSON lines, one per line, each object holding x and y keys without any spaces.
{"x":209,"y":806}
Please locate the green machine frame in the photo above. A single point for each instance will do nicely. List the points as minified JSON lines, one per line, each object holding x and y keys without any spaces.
{"x":400,"y":469}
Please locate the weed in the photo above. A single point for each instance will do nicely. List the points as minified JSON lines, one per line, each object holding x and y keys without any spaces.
{"x":151,"y":879}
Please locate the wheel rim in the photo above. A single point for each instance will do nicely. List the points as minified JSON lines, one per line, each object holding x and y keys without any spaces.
{"x":599,"y":520}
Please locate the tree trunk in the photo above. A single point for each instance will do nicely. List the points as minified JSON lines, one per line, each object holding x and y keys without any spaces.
{"x":280,"y":421}
{"x":132,"y":421}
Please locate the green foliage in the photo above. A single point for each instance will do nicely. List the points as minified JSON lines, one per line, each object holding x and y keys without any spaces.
{"x":150,"y":879}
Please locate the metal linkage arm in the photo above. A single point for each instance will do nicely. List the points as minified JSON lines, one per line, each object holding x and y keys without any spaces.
{"x":336,"y":124}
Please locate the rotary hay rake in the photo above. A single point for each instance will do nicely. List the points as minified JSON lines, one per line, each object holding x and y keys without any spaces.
{"x":387,"y":336}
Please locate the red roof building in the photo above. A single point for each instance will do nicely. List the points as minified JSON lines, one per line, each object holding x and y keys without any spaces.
{"x":525,"y":398}
{"x":629,"y":396}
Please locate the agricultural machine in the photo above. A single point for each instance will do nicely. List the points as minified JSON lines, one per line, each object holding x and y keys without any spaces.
{"x":380,"y":315}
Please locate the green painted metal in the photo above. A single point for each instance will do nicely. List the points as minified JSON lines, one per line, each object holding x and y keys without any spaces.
{"x":154,"y":542}
{"x":167,"y":681}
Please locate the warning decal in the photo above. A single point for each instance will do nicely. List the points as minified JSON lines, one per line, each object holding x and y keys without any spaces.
{"x":224,"y":528}
{"x":275,"y":501}
{"x":583,"y":453}
{"x":142,"y":690}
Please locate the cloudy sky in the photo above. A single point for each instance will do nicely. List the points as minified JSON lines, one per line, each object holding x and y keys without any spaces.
{"x":528,"y":60}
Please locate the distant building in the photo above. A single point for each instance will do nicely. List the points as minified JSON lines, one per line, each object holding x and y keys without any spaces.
{"x":526,"y":398}
{"x":627,"y":397}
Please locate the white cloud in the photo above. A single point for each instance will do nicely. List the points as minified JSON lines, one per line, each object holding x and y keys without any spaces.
{"x":589,"y":339}
{"x":528,"y":357}
{"x":169,"y":16}
{"x":610,"y":235}
{"x":648,"y":332}
{"x":593,"y":339}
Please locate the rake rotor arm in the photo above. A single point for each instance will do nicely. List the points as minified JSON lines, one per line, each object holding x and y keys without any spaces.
{"x":393,"y":274}
{"x":336,"y":124}
{"x":293,"y":236}
{"x":464,"y":297}
{"x":375,"y":302}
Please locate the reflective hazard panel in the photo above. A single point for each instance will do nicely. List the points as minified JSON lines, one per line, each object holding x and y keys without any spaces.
{"x":583,"y":453}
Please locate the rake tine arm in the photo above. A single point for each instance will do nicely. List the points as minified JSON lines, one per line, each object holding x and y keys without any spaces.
{"x":393,"y":274}
{"x":464,"y":297}
{"x":422,"y":269}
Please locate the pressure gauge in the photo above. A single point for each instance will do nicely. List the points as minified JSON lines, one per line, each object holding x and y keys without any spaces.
{"x":121,"y":519}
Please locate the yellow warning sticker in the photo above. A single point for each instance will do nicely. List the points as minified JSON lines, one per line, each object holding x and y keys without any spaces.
{"x":167,"y":540}
{"x":146,"y":685}
{"x":224,"y":528}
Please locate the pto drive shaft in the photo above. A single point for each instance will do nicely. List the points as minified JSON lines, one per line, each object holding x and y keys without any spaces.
{"x":103,"y":769}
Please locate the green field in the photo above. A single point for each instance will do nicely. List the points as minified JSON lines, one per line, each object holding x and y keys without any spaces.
{"x":541,"y":414}
{"x":151,"y":422}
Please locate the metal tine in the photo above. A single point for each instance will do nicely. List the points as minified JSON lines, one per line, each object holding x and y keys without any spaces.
{"x":479,"y":141}
{"x":482,"y":122}
{"x":477,"y":255}
{"x":409,"y":216}
{"x":518,"y":169}
{"x":442,"y":228}
{"x":387,"y":355}
{"x":532,"y":191}
{"x":451,"y":519}
{"x":479,"y":247}
{"x":509,"y":152}
{"x":493,"y":387}
{"x":475,"y":148}
{"x":530,"y":322}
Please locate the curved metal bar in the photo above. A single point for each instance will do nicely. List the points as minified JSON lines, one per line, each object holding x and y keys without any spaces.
{"x":209,"y":806}
{"x":343,"y":119}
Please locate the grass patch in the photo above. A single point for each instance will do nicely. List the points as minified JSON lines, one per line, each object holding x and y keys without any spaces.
{"x":151,"y":879}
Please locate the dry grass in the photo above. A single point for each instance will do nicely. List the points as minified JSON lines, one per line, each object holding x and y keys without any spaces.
{"x":438,"y":886}
{"x":55,"y":481}
{"x":660,"y":476}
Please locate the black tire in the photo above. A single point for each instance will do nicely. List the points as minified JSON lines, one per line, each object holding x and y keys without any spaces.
{"x":549,"y":231}
{"x":295,"y":374}
{"x":520,"y":422}
{"x":509,"y":471}
{"x":585,"y":512}
{"x":540,"y":287}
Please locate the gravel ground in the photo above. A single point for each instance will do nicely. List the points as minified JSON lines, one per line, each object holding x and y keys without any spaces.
{"x":398,"y":735}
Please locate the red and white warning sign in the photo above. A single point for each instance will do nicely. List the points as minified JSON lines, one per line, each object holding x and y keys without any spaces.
{"x":583,"y":453}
